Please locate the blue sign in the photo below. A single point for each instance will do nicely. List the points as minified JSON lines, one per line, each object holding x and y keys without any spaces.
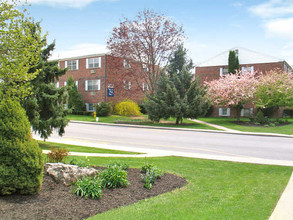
{"x":111,"y":92}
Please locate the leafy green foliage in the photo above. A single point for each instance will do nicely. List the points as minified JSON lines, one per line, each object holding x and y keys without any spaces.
{"x":122,"y":165}
{"x":79,"y":162}
{"x":21,"y":161}
{"x":104,"y":109}
{"x":233,"y":62}
{"x":176,"y":96}
{"x":88,"y":187}
{"x":150,"y":174}
{"x":57,"y":154}
{"x":20,"y":47}
{"x":127,"y":108}
{"x":75,"y":102}
{"x":114,"y":177}
{"x":45,"y":108}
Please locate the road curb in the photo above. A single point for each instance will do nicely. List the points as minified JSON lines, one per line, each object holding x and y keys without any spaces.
{"x":184,"y":129}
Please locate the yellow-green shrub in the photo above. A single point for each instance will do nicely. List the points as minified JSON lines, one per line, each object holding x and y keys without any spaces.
{"x":127,"y":108}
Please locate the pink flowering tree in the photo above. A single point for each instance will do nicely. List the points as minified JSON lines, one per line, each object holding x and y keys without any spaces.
{"x":274,"y":89}
{"x":232,"y":90}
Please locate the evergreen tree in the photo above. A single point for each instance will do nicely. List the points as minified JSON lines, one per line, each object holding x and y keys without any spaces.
{"x":176,"y":96}
{"x":45,"y":108}
{"x":233,"y":62}
{"x":75,"y":102}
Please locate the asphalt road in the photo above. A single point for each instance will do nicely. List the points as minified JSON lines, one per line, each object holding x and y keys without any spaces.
{"x":220,"y":144}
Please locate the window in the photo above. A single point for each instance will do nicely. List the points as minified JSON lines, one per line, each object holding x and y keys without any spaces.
{"x":76,"y":83}
{"x":71,"y":64}
{"x":224,"y":111}
{"x":247,"y":112}
{"x":90,"y":107}
{"x":57,"y":85}
{"x":92,"y":85}
{"x":145,"y":67}
{"x":65,"y":83}
{"x":126,"y":64}
{"x":145,"y":86}
{"x":93,"y":62}
{"x":127,"y":85}
{"x":223,"y":71}
{"x":247,"y":69}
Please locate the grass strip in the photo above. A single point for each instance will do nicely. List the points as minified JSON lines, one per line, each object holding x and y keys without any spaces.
{"x":44,"y":145}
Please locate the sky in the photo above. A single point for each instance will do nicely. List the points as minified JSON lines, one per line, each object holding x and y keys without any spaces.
{"x":211,"y":26}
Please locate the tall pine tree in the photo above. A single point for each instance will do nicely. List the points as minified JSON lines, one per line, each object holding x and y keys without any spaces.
{"x":233,"y":62}
{"x":45,"y":108}
{"x":75,"y":102}
{"x":176,"y":95}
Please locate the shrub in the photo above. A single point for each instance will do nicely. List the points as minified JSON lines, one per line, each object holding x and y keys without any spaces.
{"x":79,"y":162}
{"x":88,"y":187}
{"x":104,"y":109}
{"x":260,"y":118}
{"x":288,"y":112}
{"x":57,"y":155}
{"x":122,"y":165}
{"x":127,"y":108}
{"x":150,"y":174}
{"x":114,"y":177}
{"x":21,"y":161}
{"x":142,"y":109}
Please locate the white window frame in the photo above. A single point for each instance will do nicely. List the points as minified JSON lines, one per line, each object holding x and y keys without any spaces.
{"x":88,"y":107}
{"x":247,"y":69}
{"x":71,"y":65}
{"x":127,"y":84}
{"x":57,"y":84}
{"x":65,"y":83}
{"x":89,"y":84}
{"x":221,"y":110}
{"x":145,"y":86}
{"x":145,"y":67}
{"x":245,"y":109}
{"x":224,"y":71}
{"x":76,"y":83}
{"x":126,"y":64}
{"x":94,"y":62}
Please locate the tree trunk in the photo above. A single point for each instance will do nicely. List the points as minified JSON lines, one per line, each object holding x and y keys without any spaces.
{"x":238,"y":112}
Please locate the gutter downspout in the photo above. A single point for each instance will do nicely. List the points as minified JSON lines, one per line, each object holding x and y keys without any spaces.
{"x":105,"y":97}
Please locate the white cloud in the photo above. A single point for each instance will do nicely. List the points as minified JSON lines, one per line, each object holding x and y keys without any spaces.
{"x":237,"y":4}
{"x":79,"y":50}
{"x":282,"y":27}
{"x":64,"y":3}
{"x":273,"y":8}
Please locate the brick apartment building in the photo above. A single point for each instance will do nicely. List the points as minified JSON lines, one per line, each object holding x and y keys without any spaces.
{"x":102,"y":77}
{"x":249,"y":61}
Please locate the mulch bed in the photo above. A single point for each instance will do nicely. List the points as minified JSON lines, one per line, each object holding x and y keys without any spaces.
{"x":55,"y":201}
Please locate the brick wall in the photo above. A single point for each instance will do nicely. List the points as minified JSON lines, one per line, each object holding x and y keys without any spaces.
{"x":111,"y":73}
{"x":210,"y":73}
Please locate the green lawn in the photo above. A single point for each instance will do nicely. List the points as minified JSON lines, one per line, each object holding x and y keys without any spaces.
{"x":74,"y":148}
{"x":167,"y":123}
{"x":228,"y":123}
{"x":216,"y":190}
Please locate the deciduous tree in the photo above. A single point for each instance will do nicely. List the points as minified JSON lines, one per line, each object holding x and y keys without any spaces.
{"x":232,"y":90}
{"x":274,"y":89}
{"x":20,"y":47}
{"x":148,"y":40}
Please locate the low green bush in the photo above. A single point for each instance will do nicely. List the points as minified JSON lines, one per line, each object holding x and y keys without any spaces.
{"x":88,"y":187}
{"x":79,"y":162}
{"x":122,"y":165}
{"x":150,"y":174}
{"x":104,"y":109}
{"x":21,"y":161}
{"x":114,"y":177}
{"x":127,"y":108}
{"x":260,"y":118}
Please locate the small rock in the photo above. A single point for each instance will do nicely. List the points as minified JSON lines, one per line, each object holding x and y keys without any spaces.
{"x":66,"y":173}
